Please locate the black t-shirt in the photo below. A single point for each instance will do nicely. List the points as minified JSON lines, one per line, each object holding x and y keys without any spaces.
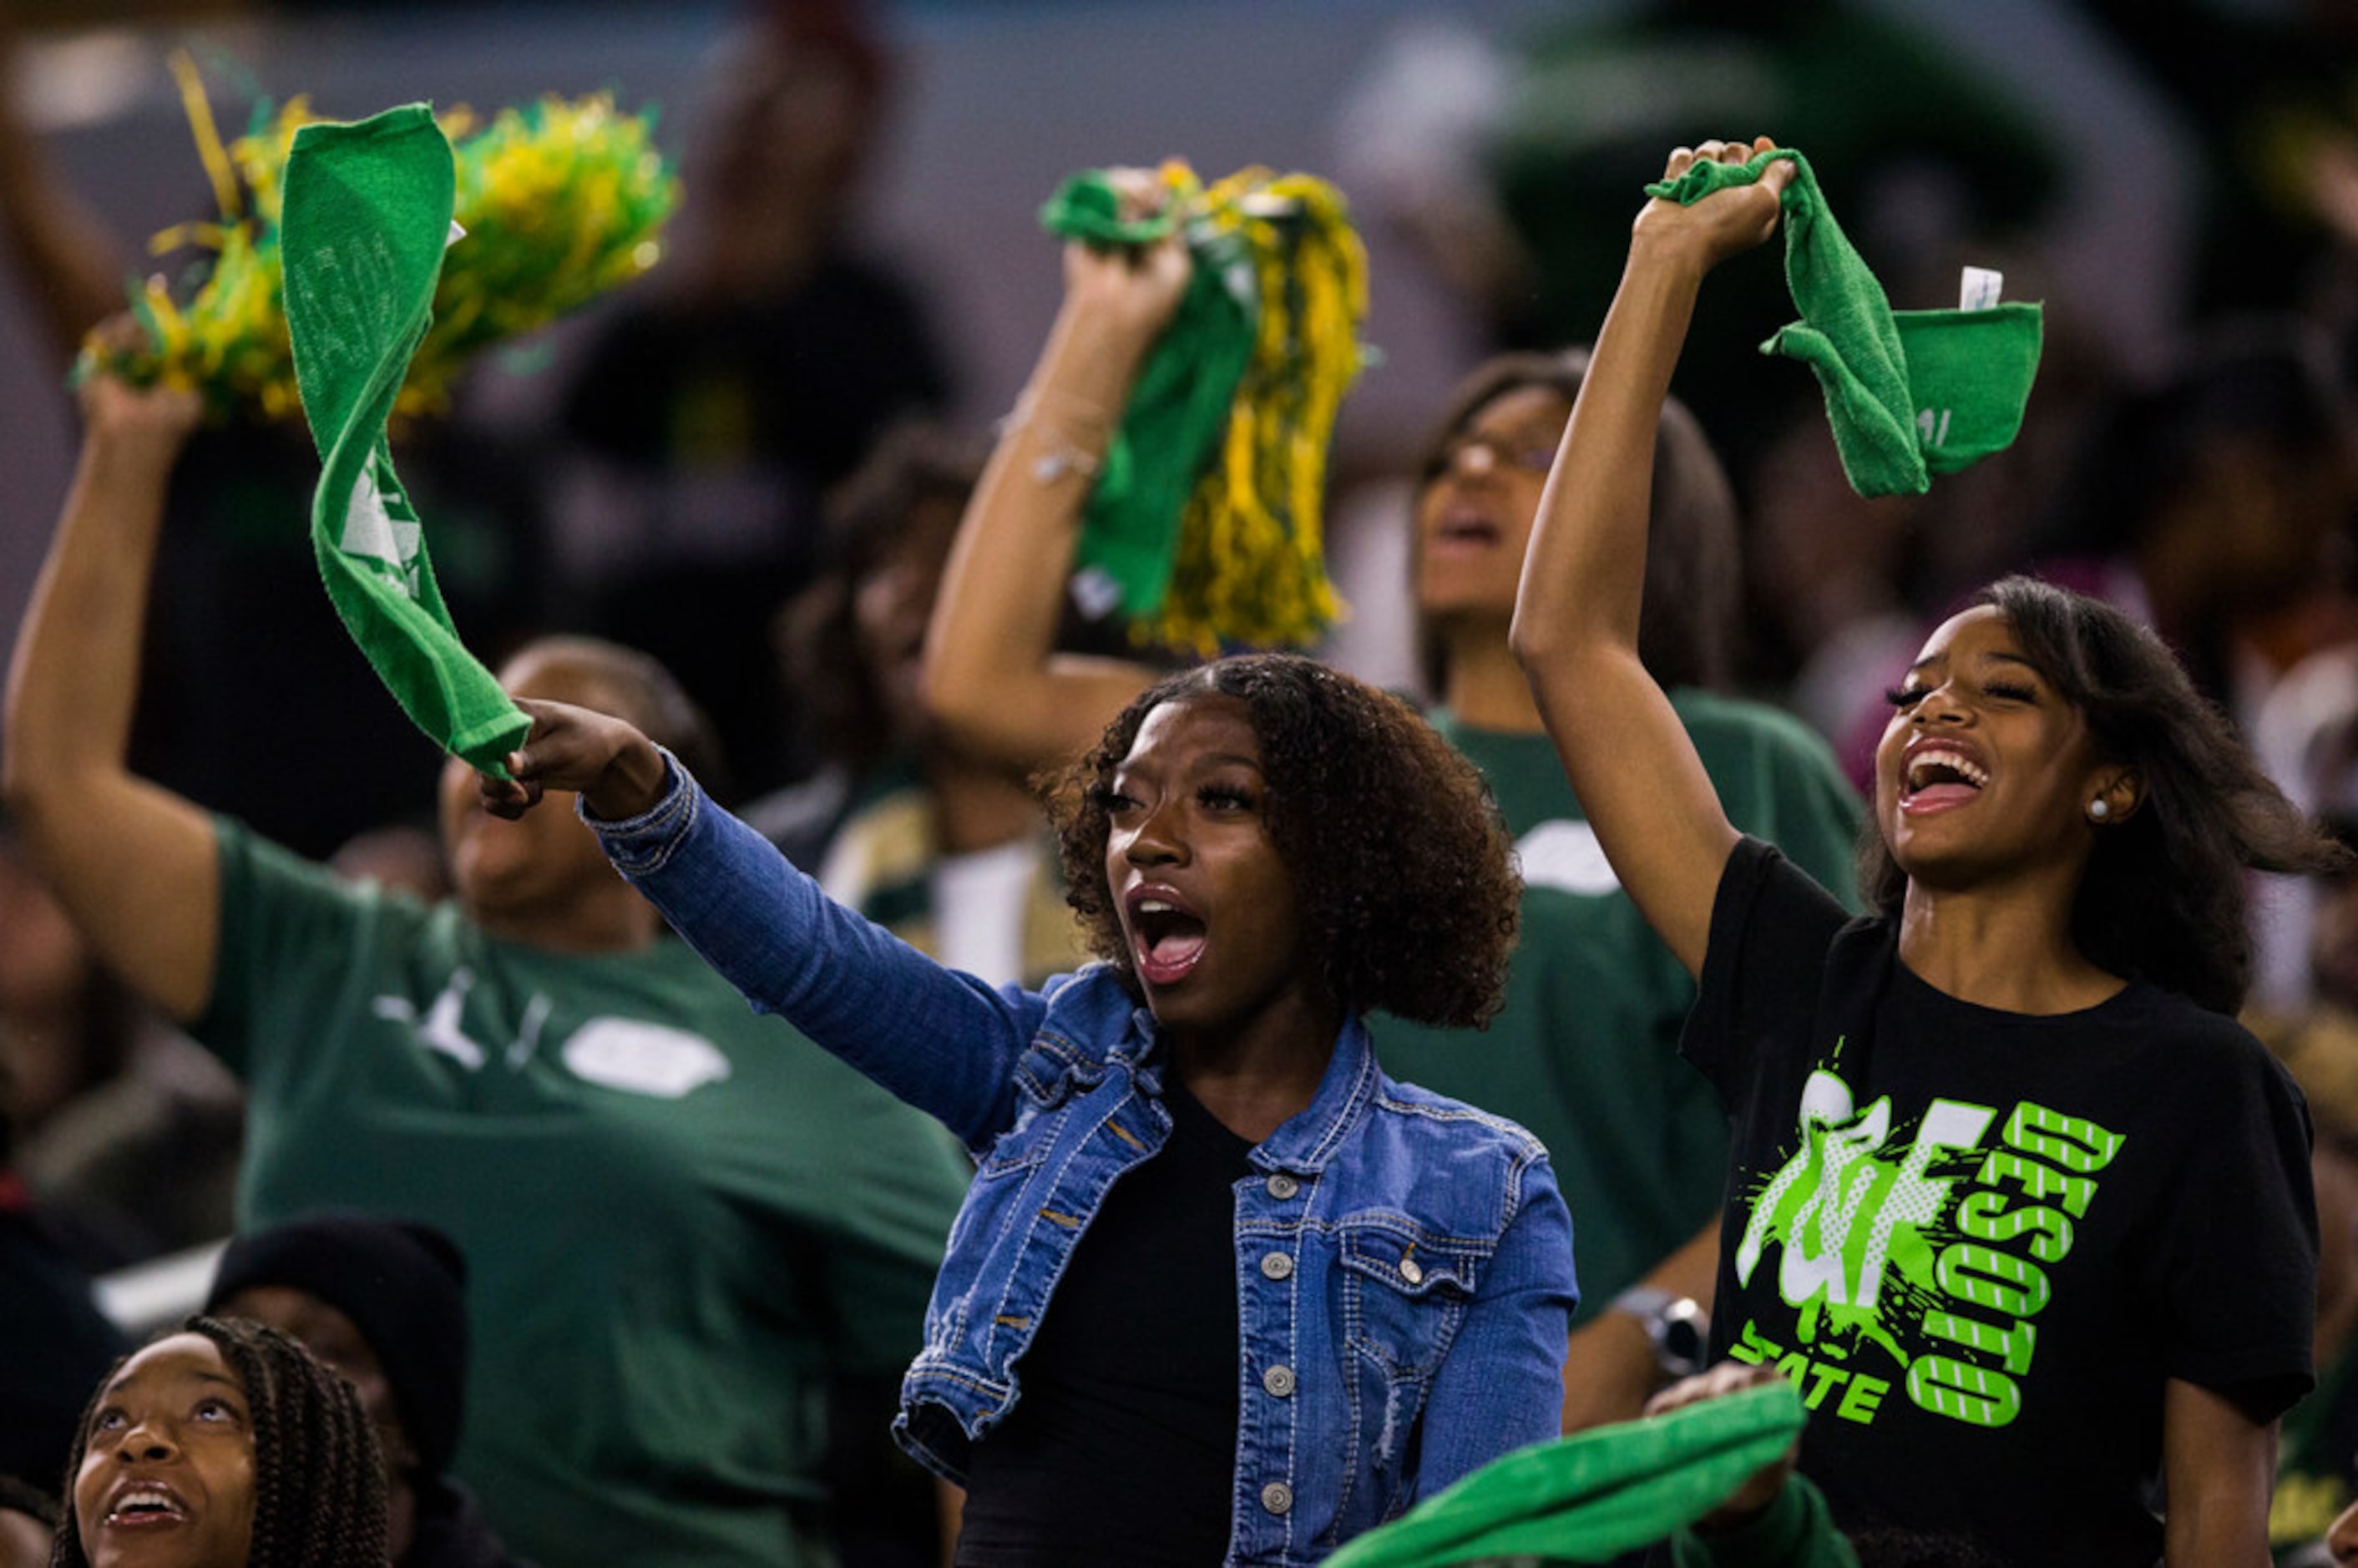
{"x":1122,"y":1445}
{"x":1982,"y":1242}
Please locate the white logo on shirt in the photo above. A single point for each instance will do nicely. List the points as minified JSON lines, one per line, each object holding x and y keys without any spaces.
{"x":438,"y":1030}
{"x":626,"y":1053}
{"x":1565,"y":855}
{"x":643,"y":1058}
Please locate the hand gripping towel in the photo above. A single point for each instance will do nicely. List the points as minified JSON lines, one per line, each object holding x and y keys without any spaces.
{"x":1590,"y":1497}
{"x":1205,"y":519}
{"x":366,"y":218}
{"x":1908,"y":394}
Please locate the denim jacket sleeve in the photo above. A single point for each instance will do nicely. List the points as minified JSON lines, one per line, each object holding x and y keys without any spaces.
{"x":942,"y":1041}
{"x":1501,"y":1386}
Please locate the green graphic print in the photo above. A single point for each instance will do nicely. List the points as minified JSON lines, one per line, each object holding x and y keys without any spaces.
{"x":1914,"y":1257}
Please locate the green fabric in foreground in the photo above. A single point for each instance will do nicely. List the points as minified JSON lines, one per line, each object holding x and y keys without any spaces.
{"x":367,"y":216}
{"x":1590,"y":1497}
{"x":1910,"y":394}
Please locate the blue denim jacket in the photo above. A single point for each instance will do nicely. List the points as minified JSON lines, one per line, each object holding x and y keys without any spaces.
{"x":1403,"y":1262}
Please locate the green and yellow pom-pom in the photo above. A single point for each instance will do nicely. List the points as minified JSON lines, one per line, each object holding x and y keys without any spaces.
{"x":1206,"y":521}
{"x":560,"y":201}
{"x":1252,"y":567}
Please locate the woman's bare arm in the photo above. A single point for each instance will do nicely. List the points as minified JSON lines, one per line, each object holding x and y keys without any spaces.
{"x":2219,"y":1468}
{"x":135,"y":864}
{"x":1575,"y":630}
{"x":993,"y":679}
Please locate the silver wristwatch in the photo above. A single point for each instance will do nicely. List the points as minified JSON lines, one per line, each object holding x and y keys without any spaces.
{"x":1679,"y":1329}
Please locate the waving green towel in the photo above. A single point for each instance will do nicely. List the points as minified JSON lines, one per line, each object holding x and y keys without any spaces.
{"x":366,"y":218}
{"x":1205,"y":520}
{"x":1591,"y":1498}
{"x":1910,"y":394}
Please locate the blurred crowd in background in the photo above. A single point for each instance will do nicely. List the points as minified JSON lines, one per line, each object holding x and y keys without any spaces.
{"x":2176,"y":179}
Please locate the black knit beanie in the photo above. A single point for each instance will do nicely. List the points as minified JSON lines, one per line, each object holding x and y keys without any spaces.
{"x":402,"y":1285}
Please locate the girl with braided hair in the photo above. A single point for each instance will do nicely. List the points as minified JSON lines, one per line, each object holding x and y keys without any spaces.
{"x":225,"y":1445}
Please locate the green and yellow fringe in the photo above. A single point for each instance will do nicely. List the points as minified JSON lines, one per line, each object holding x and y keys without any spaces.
{"x":1247,"y":568}
{"x":561,"y":202}
{"x":1252,"y":567}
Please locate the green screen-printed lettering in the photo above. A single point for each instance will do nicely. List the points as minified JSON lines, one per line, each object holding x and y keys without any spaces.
{"x":1853,"y":1200}
{"x":2037,"y":1178}
{"x":1979,"y":1396}
{"x":2070,"y":1141}
{"x":2011,"y":1287}
{"x":2010,"y":1345}
{"x":1985,"y":1217}
{"x":1916,"y":1251}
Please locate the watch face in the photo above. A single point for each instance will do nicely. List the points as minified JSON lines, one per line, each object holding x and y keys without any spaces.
{"x":1681,"y":1334}
{"x":1682,"y":1338}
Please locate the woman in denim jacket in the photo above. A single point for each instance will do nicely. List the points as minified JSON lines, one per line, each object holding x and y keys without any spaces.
{"x":1260,"y":850}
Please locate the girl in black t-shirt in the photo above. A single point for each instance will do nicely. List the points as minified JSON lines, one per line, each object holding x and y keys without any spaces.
{"x":2012,"y":1200}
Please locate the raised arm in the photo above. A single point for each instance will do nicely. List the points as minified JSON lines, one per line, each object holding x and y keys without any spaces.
{"x":1575,"y":626}
{"x":993,"y":679}
{"x":945,"y":1043}
{"x":135,"y":864}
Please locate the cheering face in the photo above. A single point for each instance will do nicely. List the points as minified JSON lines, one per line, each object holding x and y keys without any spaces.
{"x":166,"y":1476}
{"x":1475,"y":512}
{"x":1984,"y":768}
{"x":1206,"y":905}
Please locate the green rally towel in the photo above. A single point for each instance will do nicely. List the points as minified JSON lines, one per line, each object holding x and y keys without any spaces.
{"x":1908,"y":394}
{"x":366,"y":217}
{"x":1588,"y":1498}
{"x":1175,"y":413}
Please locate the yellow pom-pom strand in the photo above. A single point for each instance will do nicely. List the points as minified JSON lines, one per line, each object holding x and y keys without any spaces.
{"x":561,"y":202}
{"x":1251,"y":568}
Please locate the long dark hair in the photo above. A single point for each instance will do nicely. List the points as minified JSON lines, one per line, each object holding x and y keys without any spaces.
{"x":1694,"y":578}
{"x":318,"y":1483}
{"x":2162,"y":899}
{"x":1406,"y":879}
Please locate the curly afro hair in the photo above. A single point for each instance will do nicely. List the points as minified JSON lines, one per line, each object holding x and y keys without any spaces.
{"x":319,"y":1482}
{"x":1405,"y":874}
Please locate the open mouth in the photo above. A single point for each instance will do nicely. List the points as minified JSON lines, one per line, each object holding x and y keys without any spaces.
{"x":1467,"y":531}
{"x":1166,"y":939}
{"x":1938,"y":777}
{"x":141,"y":1506}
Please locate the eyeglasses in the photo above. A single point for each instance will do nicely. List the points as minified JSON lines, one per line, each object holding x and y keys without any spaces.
{"x":1514,"y":449}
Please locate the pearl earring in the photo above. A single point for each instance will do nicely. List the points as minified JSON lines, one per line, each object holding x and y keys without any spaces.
{"x":2098,"y":809}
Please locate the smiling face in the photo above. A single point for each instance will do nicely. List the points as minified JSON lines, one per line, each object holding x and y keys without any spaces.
{"x":167,"y":1474}
{"x":1984,"y":768}
{"x":1208,"y":913}
{"x":1474,"y":514}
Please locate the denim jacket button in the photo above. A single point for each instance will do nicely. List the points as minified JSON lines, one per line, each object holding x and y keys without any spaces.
{"x":1282,"y":1187}
{"x":1412,"y":1271}
{"x":1277,"y":1497}
{"x":1276,"y":1265}
{"x":1277,"y":1380}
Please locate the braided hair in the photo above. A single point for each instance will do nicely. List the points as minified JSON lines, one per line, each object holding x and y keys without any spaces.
{"x":319,"y":1484}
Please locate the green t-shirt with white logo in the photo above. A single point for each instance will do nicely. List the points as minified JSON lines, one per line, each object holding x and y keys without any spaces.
{"x":1584,"y":1051}
{"x":679,"y":1216}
